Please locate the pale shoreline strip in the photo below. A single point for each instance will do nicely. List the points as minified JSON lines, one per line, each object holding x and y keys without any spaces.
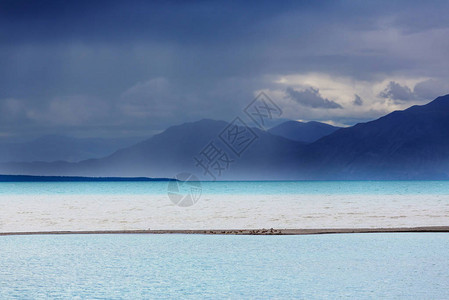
{"x":270,"y":231}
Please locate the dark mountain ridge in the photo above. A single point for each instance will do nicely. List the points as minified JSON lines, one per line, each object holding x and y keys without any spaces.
{"x":408,"y":144}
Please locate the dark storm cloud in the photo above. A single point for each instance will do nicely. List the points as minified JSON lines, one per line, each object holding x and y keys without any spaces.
{"x":424,"y":90}
{"x":357,"y":100}
{"x":397,"y":92}
{"x":311,"y":97}
{"x":103,"y":60}
{"x":430,"y":89}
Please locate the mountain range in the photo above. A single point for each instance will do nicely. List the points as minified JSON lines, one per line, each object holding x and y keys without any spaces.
{"x":408,"y":144}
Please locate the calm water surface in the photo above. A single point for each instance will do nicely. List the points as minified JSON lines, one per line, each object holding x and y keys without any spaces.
{"x":233,"y":187}
{"x":49,"y":206}
{"x":356,"y":266}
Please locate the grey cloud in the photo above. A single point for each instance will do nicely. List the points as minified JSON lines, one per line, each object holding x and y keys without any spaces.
{"x":68,"y":111}
{"x":430,"y":89}
{"x":424,"y":90}
{"x":152,"y":98}
{"x":213,"y":54}
{"x":311,"y":97}
{"x":397,"y":92}
{"x":357,"y":100}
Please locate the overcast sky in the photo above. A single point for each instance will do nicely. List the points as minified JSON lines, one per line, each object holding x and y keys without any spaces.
{"x":115,"y":68}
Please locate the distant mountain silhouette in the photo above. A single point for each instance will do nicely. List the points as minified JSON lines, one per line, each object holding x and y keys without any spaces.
{"x":27,"y":178}
{"x":409,"y":144}
{"x":174,"y":151}
{"x":303,"y":132}
{"x":55,"y":147}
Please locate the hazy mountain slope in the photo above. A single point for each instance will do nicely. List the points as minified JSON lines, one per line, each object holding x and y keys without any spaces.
{"x":303,"y":132}
{"x":173,"y":151}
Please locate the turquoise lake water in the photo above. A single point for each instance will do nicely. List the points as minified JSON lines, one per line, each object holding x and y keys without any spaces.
{"x":50,"y":206}
{"x":232,"y":187}
{"x":353,"y":266}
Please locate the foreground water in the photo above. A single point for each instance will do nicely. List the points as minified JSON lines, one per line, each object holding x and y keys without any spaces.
{"x":356,"y":266}
{"x":50,"y":206}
